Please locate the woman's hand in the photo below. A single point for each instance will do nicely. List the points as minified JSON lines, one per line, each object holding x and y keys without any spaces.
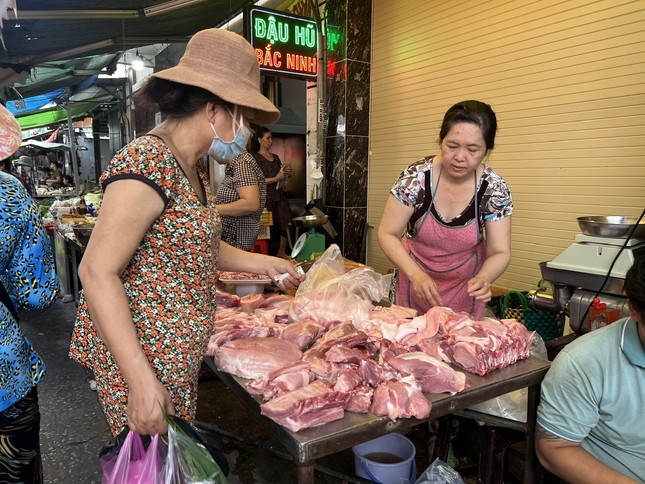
{"x":146,"y":408}
{"x":479,"y":288}
{"x":425,"y":288}
{"x":277,"y":266}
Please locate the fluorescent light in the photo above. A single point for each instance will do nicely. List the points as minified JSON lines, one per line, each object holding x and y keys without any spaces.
{"x":168,"y":7}
{"x":137,"y":62}
{"x":75,"y":52}
{"x":74,"y":14}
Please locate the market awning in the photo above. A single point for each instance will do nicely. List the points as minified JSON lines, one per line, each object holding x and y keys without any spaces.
{"x":55,"y":115}
{"x":44,"y":145}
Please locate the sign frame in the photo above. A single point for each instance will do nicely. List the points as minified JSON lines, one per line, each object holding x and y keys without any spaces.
{"x":283,"y":45}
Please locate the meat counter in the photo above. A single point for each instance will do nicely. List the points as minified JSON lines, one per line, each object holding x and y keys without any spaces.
{"x":313,"y":443}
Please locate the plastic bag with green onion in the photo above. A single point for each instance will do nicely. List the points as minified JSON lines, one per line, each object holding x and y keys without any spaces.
{"x":188,"y":461}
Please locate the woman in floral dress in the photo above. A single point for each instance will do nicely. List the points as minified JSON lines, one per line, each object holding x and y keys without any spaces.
{"x":148,"y":272}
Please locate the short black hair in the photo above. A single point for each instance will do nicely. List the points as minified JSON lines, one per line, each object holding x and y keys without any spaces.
{"x":474,"y":112}
{"x":635,"y":285}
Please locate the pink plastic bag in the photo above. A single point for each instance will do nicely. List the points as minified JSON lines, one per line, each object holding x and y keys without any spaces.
{"x":133,"y":464}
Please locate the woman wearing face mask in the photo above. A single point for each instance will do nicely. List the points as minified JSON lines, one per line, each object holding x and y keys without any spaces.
{"x":148,"y":271}
{"x":443,"y":203}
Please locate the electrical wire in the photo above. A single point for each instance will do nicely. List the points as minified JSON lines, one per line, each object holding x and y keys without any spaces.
{"x":611,"y":267}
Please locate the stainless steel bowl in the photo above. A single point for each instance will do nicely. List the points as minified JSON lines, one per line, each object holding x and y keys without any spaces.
{"x":310,"y":220}
{"x":611,"y":226}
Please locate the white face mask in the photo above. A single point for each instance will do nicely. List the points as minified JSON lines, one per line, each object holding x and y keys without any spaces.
{"x":227,"y":150}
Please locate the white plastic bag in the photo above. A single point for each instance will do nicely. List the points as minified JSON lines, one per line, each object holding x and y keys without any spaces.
{"x":330,"y":293}
{"x":513,"y":405}
{"x":439,"y":473}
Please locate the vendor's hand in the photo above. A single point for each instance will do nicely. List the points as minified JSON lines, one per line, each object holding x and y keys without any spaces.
{"x":277,"y":266}
{"x":479,"y":288}
{"x":146,"y":407}
{"x":425,"y":288}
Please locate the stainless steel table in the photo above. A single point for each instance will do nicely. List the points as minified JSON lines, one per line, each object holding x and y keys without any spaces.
{"x":310,"y":444}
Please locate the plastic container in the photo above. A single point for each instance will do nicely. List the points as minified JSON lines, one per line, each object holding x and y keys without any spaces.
{"x":386,"y":460}
{"x":244,"y":287}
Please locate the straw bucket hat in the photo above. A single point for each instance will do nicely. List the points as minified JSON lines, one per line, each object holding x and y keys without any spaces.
{"x":10,"y":133}
{"x":225,"y":64}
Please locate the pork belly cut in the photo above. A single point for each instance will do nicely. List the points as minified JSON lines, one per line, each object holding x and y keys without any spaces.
{"x":282,"y":380}
{"x":348,"y":380}
{"x":226,"y":299}
{"x":401,"y":399}
{"x":309,"y":406}
{"x":433,"y":375}
{"x":251,"y":302}
{"x":360,"y":399}
{"x":303,"y":333}
{"x":256,"y":357}
{"x":221,"y":336}
{"x":485,"y":345}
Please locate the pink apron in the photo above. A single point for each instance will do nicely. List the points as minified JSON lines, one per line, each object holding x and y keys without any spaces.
{"x":451,"y":256}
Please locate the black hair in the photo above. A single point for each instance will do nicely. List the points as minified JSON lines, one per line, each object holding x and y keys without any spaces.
{"x":258,"y":134}
{"x":6,"y":164}
{"x":69,"y":179}
{"x":174,"y":99}
{"x":635,"y":285}
{"x":474,"y":112}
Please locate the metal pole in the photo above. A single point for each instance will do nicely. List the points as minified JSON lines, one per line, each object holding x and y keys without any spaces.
{"x":321,"y":88}
{"x":72,"y":146}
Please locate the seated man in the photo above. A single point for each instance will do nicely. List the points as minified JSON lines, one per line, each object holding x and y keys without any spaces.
{"x":590,"y":419}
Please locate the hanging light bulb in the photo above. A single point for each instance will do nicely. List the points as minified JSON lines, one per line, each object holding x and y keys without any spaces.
{"x":137,"y":62}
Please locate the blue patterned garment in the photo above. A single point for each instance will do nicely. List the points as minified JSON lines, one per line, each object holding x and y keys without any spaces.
{"x":27,"y":273}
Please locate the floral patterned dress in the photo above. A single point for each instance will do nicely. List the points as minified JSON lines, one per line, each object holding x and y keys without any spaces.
{"x":170,"y":284}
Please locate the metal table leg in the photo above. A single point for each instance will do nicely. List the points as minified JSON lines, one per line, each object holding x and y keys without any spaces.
{"x":306,"y":474}
{"x":530,"y":462}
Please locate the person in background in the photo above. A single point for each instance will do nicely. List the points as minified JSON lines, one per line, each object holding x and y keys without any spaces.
{"x":27,"y":281}
{"x":592,"y":399}
{"x":241,"y":197}
{"x":6,"y":166}
{"x":25,"y":166}
{"x":68,"y":181}
{"x":55,"y":178}
{"x":148,"y":272}
{"x":276,"y":175}
{"x":444,"y":204}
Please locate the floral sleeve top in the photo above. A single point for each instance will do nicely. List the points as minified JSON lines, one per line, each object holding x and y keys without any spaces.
{"x":27,"y":274}
{"x":494,"y":201}
{"x":170,"y":280}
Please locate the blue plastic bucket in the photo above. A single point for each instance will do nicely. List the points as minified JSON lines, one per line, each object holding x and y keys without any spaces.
{"x":384,"y":450}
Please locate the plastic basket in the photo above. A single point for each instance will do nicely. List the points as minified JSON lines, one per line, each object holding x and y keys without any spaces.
{"x":545,"y":323}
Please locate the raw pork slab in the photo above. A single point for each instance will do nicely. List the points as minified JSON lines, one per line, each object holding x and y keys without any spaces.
{"x":433,"y":375}
{"x":309,"y":406}
{"x":401,"y":399}
{"x":256,"y":357}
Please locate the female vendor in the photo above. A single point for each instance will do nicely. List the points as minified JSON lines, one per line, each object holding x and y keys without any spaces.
{"x":456,"y":215}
